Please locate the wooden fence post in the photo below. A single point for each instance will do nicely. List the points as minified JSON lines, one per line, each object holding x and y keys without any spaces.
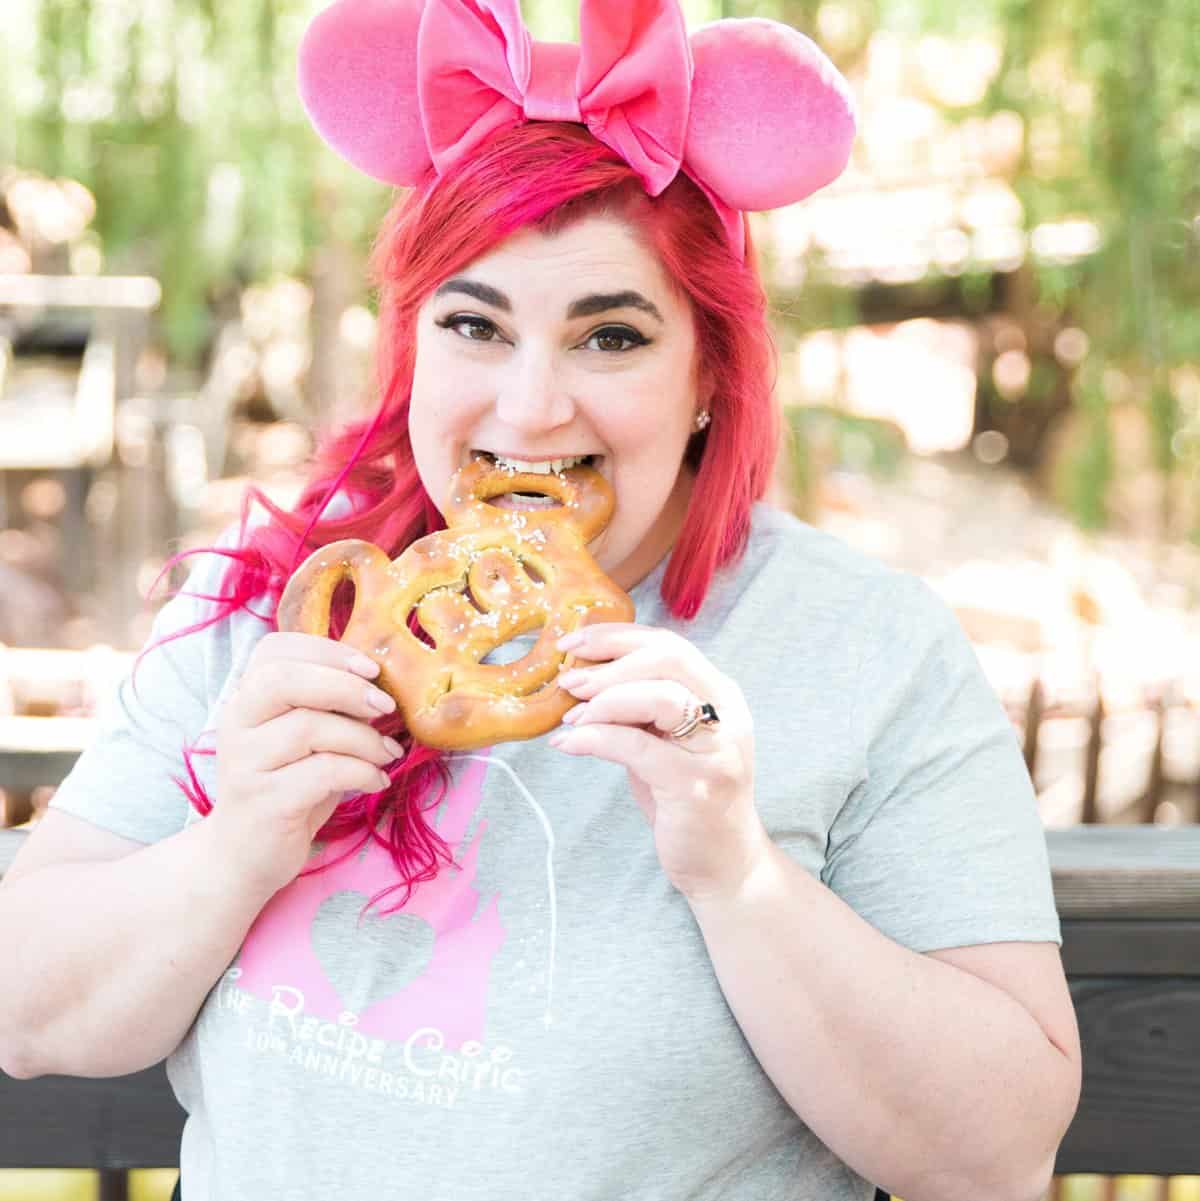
{"x":1091,"y":808}
{"x":1033,"y":724}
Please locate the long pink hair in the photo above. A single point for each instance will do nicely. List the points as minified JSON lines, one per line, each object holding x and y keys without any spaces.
{"x":540,"y":175}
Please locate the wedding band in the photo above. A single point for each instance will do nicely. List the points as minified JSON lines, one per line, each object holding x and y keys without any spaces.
{"x":695,"y":714}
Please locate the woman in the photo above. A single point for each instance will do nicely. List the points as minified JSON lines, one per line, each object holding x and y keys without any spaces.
{"x":807,"y":944}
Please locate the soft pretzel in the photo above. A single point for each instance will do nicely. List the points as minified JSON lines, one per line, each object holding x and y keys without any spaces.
{"x":492,"y":575}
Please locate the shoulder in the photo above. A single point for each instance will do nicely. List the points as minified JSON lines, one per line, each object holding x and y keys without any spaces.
{"x":230,"y":634}
{"x":803,"y":582}
{"x":208,"y":576}
{"x":820,"y":568}
{"x":207,"y":628}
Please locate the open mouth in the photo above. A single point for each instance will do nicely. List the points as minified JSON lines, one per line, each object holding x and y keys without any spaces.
{"x":533,"y":500}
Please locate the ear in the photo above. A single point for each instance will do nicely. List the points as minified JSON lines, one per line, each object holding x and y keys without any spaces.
{"x":771,"y":119}
{"x":357,"y":78}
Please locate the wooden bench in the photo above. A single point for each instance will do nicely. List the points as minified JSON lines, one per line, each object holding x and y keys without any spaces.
{"x":1129,"y":900}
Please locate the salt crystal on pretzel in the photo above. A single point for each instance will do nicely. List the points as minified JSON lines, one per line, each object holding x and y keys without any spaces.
{"x":491,"y":576}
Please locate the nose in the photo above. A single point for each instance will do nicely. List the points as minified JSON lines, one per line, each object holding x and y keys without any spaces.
{"x":532,"y":397}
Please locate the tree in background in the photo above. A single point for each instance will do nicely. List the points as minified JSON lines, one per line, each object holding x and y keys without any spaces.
{"x":182,"y":119}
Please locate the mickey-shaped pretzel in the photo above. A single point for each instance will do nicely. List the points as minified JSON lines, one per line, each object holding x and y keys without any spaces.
{"x":493,"y":575}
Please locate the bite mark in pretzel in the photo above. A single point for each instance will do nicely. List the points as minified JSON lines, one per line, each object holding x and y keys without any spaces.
{"x":491,"y":576}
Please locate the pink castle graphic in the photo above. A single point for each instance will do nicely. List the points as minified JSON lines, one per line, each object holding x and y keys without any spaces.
{"x":450,"y":993}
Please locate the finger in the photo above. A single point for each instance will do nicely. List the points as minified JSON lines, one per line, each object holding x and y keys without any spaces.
{"x":663,"y":657}
{"x":315,"y":777}
{"x":618,"y":638}
{"x":299,"y":733}
{"x":662,"y":704}
{"x":312,"y":648}
{"x":277,"y":685}
{"x":646,"y":755}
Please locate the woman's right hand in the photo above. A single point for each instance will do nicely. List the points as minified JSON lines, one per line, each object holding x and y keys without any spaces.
{"x":291,"y":740}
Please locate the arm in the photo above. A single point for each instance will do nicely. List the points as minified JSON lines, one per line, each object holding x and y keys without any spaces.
{"x":924,"y":1078}
{"x":922,"y":1074}
{"x":108,"y":961}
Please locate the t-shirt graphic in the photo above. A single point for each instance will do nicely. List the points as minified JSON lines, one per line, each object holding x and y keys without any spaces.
{"x":434,"y":956}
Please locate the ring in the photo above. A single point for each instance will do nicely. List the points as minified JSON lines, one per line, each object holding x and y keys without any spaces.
{"x":695,"y":714}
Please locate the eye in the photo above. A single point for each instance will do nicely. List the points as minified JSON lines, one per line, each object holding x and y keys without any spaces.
{"x":479,"y":329}
{"x":611,"y":334}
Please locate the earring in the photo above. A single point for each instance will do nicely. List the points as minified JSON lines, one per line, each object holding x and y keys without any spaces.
{"x":702,"y":420}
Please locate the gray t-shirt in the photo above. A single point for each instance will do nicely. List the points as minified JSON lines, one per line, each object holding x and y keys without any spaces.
{"x":545,"y":1023}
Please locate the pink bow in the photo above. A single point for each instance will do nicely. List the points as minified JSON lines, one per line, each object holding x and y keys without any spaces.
{"x":479,"y":71}
{"x":750,"y":109}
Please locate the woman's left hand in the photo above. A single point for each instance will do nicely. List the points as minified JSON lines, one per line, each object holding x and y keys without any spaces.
{"x":697,"y":792}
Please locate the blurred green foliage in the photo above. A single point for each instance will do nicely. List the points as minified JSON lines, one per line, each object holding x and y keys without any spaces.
{"x":184,"y":121}
{"x":1118,"y":87}
{"x":821,"y":438}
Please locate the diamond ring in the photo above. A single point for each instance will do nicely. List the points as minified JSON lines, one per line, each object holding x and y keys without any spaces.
{"x":695,"y":714}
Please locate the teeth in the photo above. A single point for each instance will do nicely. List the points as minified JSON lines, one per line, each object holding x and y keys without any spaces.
{"x":553,"y":466}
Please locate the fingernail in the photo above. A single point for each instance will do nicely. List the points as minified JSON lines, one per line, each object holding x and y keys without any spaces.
{"x":573,"y":715}
{"x":393,"y":748}
{"x":569,"y":642}
{"x":363,"y":665}
{"x":380,"y":700}
{"x":385,"y":781}
{"x":558,"y":739}
{"x":571,"y":679}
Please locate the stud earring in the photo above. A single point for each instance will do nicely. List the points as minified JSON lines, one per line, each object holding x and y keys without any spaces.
{"x":702,"y":420}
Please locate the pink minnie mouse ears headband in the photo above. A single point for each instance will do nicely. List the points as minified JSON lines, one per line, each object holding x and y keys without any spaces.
{"x":750,"y":109}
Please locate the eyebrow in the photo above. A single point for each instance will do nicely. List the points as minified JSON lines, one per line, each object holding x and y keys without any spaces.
{"x":585,"y":306}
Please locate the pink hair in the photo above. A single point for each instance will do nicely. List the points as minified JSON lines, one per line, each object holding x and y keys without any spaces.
{"x":542,"y":175}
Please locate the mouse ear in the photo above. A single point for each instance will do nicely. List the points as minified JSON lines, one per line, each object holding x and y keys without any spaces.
{"x":772,"y":119}
{"x":357,"y":78}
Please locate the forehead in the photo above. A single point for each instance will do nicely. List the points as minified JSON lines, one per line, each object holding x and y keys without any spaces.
{"x":594,"y":250}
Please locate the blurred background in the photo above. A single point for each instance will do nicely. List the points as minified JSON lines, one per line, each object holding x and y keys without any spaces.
{"x":989,"y":334}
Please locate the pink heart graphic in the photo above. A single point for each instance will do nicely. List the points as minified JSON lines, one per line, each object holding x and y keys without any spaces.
{"x":449,"y":993}
{"x":398,"y":948}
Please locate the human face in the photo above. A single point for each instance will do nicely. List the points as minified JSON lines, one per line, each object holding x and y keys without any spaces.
{"x":552,"y":346}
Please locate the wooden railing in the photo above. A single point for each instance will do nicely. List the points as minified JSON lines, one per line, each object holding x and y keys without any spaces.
{"x":1114,"y":768}
{"x":1129,"y":901}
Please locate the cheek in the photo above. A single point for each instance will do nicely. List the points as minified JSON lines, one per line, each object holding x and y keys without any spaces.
{"x":649,"y":421}
{"x":439,"y":411}
{"x":436,"y":422}
{"x":432,"y":367}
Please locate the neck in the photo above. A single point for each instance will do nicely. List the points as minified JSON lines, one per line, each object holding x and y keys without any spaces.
{"x":660,"y":538}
